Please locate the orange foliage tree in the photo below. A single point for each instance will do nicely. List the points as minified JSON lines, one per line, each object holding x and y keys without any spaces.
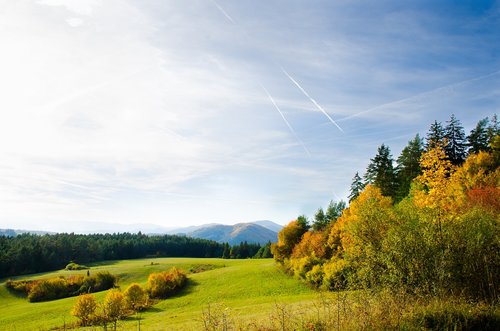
{"x":288,"y":237}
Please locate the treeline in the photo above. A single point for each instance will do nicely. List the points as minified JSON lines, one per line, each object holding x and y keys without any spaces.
{"x":247,"y":250}
{"x":429,"y":225}
{"x":29,"y":253}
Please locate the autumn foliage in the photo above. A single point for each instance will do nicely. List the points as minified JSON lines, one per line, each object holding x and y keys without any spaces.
{"x":164,"y":284}
{"x":443,"y":238}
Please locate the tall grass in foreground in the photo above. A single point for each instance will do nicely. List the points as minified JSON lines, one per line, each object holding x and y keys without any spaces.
{"x":361,"y":310}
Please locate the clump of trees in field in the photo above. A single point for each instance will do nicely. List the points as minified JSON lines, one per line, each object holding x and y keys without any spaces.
{"x":62,"y":287}
{"x":163,"y":284}
{"x":117,"y":305}
{"x":428,"y":226}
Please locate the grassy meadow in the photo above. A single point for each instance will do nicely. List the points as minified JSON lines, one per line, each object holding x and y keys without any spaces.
{"x":252,"y":288}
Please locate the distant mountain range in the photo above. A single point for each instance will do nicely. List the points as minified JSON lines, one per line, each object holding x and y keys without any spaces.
{"x":254,"y":232}
{"x":13,"y":233}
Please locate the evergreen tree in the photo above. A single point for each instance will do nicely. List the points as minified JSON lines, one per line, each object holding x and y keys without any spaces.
{"x":493,"y":129}
{"x":357,"y":187}
{"x":408,"y":166}
{"x":435,"y":136}
{"x":334,"y":210}
{"x":320,"y":220}
{"x":227,"y":250}
{"x":381,"y":173}
{"x":455,"y":147}
{"x":478,"y":137}
{"x":303,"y":223}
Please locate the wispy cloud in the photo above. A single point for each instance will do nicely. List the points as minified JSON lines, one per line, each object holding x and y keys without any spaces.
{"x":138,"y":111}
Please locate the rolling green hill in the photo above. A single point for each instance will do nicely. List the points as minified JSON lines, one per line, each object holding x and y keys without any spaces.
{"x":250,"y":287}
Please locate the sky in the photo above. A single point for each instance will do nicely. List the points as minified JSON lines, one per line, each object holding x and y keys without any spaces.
{"x":178,"y":113}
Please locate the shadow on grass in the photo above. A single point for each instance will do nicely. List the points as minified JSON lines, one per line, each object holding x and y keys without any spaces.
{"x":186,"y":290}
{"x":102,"y":263}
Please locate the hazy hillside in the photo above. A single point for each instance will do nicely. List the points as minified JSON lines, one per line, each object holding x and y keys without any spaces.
{"x":234,"y":234}
{"x":270,"y":225}
{"x":13,"y":233}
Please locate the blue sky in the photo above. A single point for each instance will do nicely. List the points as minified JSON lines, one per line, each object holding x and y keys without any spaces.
{"x":187,"y":112}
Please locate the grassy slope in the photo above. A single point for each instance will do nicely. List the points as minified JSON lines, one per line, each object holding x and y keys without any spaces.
{"x":250,"y":287}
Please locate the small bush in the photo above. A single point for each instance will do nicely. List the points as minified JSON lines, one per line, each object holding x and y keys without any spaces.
{"x":75,"y":266}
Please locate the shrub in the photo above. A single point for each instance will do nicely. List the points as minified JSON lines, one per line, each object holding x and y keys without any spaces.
{"x":75,"y":266}
{"x":62,"y":287}
{"x":163,"y":284}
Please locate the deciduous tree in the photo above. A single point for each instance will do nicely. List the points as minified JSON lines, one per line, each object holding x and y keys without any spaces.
{"x":84,"y":309}
{"x":135,"y":297}
{"x":114,"y":307}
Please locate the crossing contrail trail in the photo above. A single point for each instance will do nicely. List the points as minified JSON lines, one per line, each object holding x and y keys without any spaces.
{"x":310,"y":98}
{"x":285,"y":120}
{"x":447,"y":88}
{"x":223,"y":12}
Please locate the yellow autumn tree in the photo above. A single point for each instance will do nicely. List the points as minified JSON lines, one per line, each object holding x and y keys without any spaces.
{"x":84,"y":309}
{"x":357,"y":236}
{"x":288,"y":237}
{"x":114,"y":306}
{"x":431,"y":187}
{"x":135,"y":297}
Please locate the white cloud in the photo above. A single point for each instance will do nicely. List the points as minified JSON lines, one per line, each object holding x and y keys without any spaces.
{"x":125,"y":111}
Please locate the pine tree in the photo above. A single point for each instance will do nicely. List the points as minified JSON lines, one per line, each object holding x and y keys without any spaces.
{"x":435,"y":136}
{"x":493,"y":129}
{"x":381,"y":173}
{"x":478,"y":137}
{"x":334,"y":210}
{"x":320,"y":220}
{"x":357,"y":187}
{"x":455,"y":147}
{"x":408,"y":166}
{"x":226,"y":252}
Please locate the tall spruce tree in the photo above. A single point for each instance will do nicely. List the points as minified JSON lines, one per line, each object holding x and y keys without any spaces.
{"x":435,"y":136}
{"x":493,"y":129}
{"x":334,"y":210}
{"x":380,"y":172}
{"x":357,"y":187}
{"x":408,"y":165}
{"x":455,"y":147}
{"x":320,"y":220}
{"x":478,"y":140}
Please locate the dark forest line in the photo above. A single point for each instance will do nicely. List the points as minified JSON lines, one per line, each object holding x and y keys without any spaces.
{"x":31,"y":253}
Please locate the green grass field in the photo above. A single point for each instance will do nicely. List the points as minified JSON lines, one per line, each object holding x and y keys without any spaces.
{"x":252,"y":288}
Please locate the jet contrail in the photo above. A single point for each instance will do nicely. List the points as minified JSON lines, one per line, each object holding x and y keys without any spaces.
{"x":223,"y":12}
{"x":420,"y":95}
{"x":312,"y":100}
{"x":285,"y":120}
